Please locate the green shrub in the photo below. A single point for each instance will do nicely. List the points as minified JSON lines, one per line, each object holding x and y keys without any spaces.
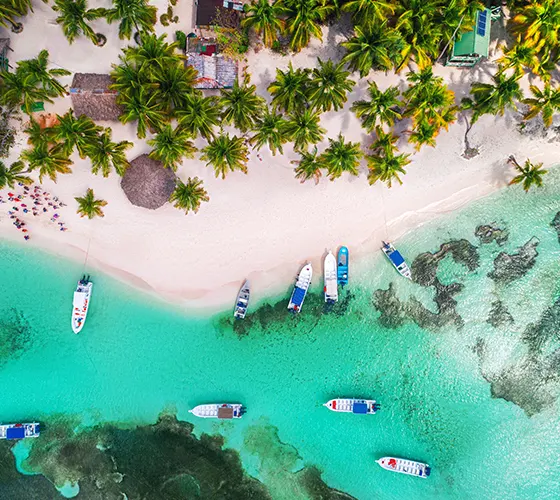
{"x":182,"y":39}
{"x":164,"y":19}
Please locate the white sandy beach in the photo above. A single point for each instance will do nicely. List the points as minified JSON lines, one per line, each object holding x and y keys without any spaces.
{"x":264,"y":225}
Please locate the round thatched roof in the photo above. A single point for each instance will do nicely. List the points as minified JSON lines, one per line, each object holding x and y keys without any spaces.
{"x":147,"y":183}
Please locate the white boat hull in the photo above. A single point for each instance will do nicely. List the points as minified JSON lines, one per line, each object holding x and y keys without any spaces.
{"x":222,"y":411}
{"x":403,"y":466}
{"x":303,"y":283}
{"x":242,"y":302}
{"x":352,"y":405}
{"x":80,"y":305}
{"x":331,"y":279}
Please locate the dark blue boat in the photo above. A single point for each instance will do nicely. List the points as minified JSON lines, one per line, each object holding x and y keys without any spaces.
{"x":342,"y":268}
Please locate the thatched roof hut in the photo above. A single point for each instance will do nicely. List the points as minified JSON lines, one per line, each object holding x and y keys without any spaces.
{"x":92,"y":97}
{"x":147,"y":183}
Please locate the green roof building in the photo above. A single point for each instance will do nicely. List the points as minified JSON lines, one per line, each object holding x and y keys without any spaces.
{"x":471,"y":47}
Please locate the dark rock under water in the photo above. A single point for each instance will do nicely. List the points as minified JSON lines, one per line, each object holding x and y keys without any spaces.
{"x":556,"y":225}
{"x":509,"y":267}
{"x":15,"y":334}
{"x":488,"y":233}
{"x":499,"y":315}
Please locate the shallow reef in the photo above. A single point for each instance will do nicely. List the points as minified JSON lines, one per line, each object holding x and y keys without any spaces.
{"x":499,"y":315}
{"x":15,"y":334}
{"x":556,"y":225}
{"x":509,"y":267}
{"x":395,"y":312}
{"x":487,"y":234}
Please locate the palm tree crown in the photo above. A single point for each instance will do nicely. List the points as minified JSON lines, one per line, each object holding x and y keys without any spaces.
{"x":104,"y":154}
{"x":241,"y":106}
{"x":74,"y":132}
{"x":383,"y":107}
{"x":89,"y":207}
{"x":329,"y":86}
{"x":226,"y":154}
{"x":137,"y":14}
{"x":303,"y":20}
{"x":10,"y":176}
{"x":49,"y":162}
{"x":200,"y":115}
{"x":265,"y":18}
{"x":545,"y":101}
{"x":270,"y":129}
{"x":529,"y":174}
{"x":341,"y":157}
{"x":387,"y":167}
{"x":171,"y":146}
{"x":309,"y":166}
{"x":289,"y":90}
{"x":74,"y":17}
{"x":303,"y":129}
{"x":190,"y":195}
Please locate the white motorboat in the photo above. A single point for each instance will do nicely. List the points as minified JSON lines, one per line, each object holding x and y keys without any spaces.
{"x":223,"y":411}
{"x":351,"y":405}
{"x":300,"y":290}
{"x":19,"y":431}
{"x":80,"y":304}
{"x":397,"y":260}
{"x":242,"y":302}
{"x":331,"y":279}
{"x":404,"y":466}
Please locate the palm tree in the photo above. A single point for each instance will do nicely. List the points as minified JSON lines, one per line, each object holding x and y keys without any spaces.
{"x":74,"y":17}
{"x":19,"y":88}
{"x":545,"y":101}
{"x":89,"y":207}
{"x":10,"y":9}
{"x":265,"y":18}
{"x":137,"y":14}
{"x":329,"y":85}
{"x":368,"y":12}
{"x":270,"y":130}
{"x":529,"y":174}
{"x":154,"y":54}
{"x":189,"y":196}
{"x":145,"y":109}
{"x":173,"y":84}
{"x":37,"y":135}
{"x":423,"y":133}
{"x":37,"y":69}
{"x":519,"y":56}
{"x":241,"y":106}
{"x":12,"y":175}
{"x":386,"y":167}
{"x":303,"y":20}
{"x":537,"y":22}
{"x":376,"y":47}
{"x":494,"y":98}
{"x":309,"y":166}
{"x":74,"y":132}
{"x":290,"y":89}
{"x":383,"y":107}
{"x":226,"y":154}
{"x":104,"y":154}
{"x":303,"y":129}
{"x":200,"y":115}
{"x":128,"y":79}
{"x":49,"y":162}
{"x":385,"y":142}
{"x":171,"y":146}
{"x":341,"y":157}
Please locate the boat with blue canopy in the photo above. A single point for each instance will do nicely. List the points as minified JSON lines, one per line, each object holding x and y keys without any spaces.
{"x":351,"y":405}
{"x":19,"y":431}
{"x":300,"y":289}
{"x":397,"y":260}
{"x":342,"y":268}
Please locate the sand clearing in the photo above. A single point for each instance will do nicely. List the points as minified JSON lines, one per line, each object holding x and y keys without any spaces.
{"x":263,"y":225}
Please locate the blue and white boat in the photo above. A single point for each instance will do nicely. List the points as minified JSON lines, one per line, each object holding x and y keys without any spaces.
{"x":351,"y":405}
{"x":300,"y":290}
{"x":397,"y":260}
{"x":404,"y":466}
{"x":19,"y":431}
{"x":342,"y":268}
{"x":242,"y":301}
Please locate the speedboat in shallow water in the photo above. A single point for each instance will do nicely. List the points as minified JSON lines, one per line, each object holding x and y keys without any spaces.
{"x":80,"y":304}
{"x":404,"y":466}
{"x":19,"y":431}
{"x":331,"y":280}
{"x":342,"y":266}
{"x":223,"y":411}
{"x":242,"y":301}
{"x":300,"y":290}
{"x":397,"y":260}
{"x":351,"y":405}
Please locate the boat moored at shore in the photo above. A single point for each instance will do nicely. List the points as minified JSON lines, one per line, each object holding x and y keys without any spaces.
{"x":242,"y":302}
{"x":300,"y":289}
{"x":404,"y":466}
{"x":342,"y":266}
{"x":80,"y":303}
{"x":397,"y":260}
{"x":331,"y":280}
{"x":222,"y":411}
{"x":352,"y":405}
{"x":19,"y":431}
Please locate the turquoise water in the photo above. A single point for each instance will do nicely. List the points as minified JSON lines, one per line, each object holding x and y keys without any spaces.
{"x":137,"y":357}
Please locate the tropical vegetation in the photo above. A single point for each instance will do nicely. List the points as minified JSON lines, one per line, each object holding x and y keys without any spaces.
{"x":384,"y":107}
{"x":226,"y":154}
{"x":132,"y":14}
{"x":290,"y":89}
{"x":90,"y":207}
{"x":270,"y":129}
{"x":341,"y":157}
{"x":10,"y":9}
{"x":189,"y":196}
{"x":529,"y":174}
{"x":329,"y":86}
{"x":48,"y":161}
{"x":12,"y":175}
{"x":303,"y":129}
{"x":106,"y":155}
{"x":74,"y":16}
{"x":171,"y":145}
{"x":309,"y":166}
{"x":241,"y":106}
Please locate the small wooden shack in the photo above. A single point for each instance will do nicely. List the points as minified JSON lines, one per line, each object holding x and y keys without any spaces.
{"x":91,"y":96}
